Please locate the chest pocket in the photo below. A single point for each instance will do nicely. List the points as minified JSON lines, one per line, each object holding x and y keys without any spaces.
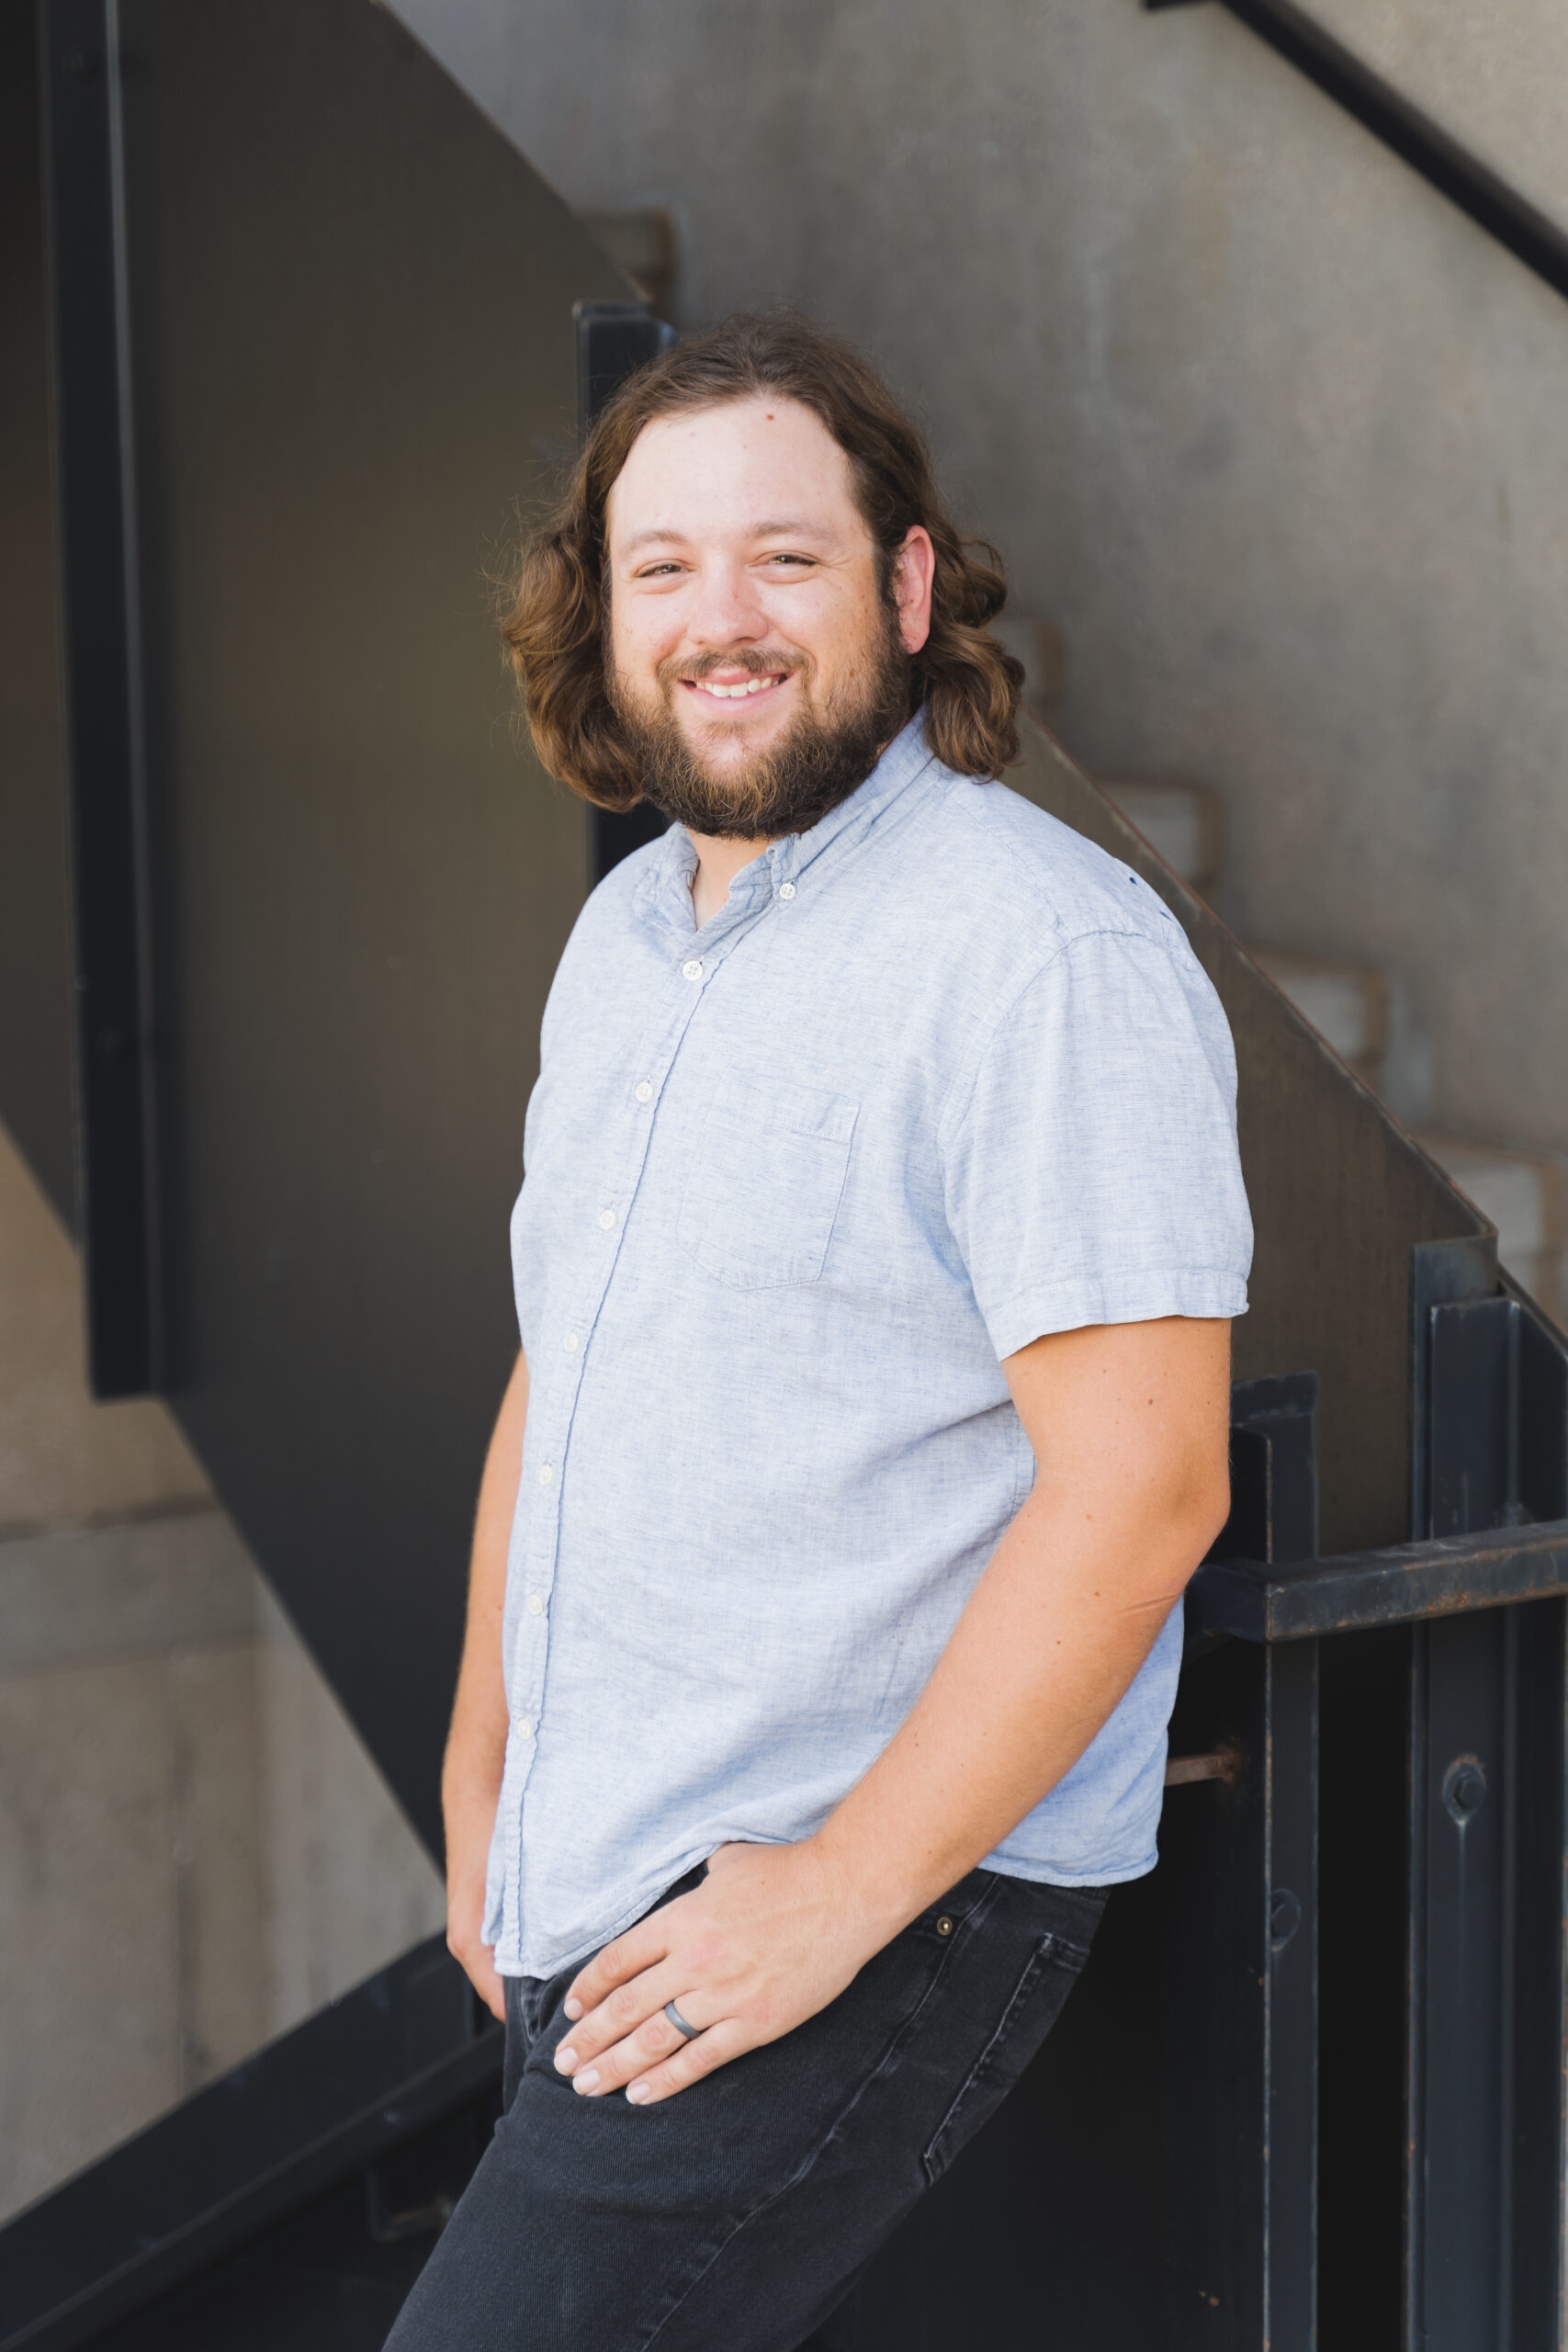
{"x":765,"y":1181}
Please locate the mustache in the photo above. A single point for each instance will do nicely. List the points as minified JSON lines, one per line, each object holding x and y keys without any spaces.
{"x":782,"y":661}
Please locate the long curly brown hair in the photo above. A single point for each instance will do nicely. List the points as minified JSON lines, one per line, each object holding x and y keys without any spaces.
{"x":554,"y":626}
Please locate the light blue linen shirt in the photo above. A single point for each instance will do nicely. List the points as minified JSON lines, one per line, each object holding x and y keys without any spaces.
{"x":939,"y":1077}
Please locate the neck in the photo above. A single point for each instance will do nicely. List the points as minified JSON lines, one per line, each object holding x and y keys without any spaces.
{"x":718,"y":863}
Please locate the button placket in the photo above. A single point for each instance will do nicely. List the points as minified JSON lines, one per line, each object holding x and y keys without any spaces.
{"x":529,"y":1687}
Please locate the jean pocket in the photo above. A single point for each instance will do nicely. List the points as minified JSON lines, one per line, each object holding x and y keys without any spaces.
{"x":765,"y":1181}
{"x":1049,"y":1972}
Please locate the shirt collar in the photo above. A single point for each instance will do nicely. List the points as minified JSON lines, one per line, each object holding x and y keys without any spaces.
{"x":907,"y":756}
{"x":667,"y":886}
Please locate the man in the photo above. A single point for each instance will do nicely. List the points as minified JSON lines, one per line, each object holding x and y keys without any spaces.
{"x":880,"y":1228}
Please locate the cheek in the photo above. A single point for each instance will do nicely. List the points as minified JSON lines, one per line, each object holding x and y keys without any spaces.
{"x":638,"y":642}
{"x":816,"y":625}
{"x":840,"y":644}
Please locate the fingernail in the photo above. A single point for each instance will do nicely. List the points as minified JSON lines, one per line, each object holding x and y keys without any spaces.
{"x":572,"y":2006}
{"x":587,"y":2081}
{"x":636,"y":2093}
{"x":566,"y":2058}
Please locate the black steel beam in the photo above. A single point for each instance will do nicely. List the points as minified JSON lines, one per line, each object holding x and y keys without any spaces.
{"x":35,"y":995}
{"x":116,"y":1133}
{"x":1412,"y":135}
{"x":1237,"y":1891}
{"x":1400,"y":1584}
{"x":1484,"y":1769}
{"x":613,"y":340}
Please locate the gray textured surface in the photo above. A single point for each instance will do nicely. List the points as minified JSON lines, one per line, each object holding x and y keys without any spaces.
{"x":62,"y":1456}
{"x":196,"y":1851}
{"x":129,"y":1888}
{"x":1275,"y":433}
{"x":131,"y":1589}
{"x":1492,"y":72}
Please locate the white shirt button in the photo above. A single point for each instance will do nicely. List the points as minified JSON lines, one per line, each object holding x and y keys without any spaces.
{"x":572,"y":1343}
{"x":644,"y":1091}
{"x":536,"y":1604}
{"x":524,"y":1726}
{"x":607,"y":1219}
{"x":545,"y":1474}
{"x":786,"y":889}
{"x":693,"y":970}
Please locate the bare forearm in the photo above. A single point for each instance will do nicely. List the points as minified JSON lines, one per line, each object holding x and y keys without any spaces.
{"x":476,"y":1745}
{"x":1049,"y":1644}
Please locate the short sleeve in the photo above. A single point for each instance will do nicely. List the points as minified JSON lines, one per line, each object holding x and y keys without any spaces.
{"x":1090,"y":1168}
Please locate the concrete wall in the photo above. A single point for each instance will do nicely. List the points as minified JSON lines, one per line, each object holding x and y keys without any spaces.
{"x":347,"y":1885}
{"x":1278,"y":436}
{"x":1492,"y":72}
{"x":195,"y":1850}
{"x":131,"y":1897}
{"x":62,"y":1457}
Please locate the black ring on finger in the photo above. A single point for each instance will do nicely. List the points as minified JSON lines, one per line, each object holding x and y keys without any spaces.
{"x":679,"y":2022}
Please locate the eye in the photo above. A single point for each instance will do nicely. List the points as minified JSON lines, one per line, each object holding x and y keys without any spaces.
{"x":806,"y":563}
{"x":660,"y":571}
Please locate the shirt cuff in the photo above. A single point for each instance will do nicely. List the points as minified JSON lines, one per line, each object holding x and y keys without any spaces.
{"x":1202,"y":1292}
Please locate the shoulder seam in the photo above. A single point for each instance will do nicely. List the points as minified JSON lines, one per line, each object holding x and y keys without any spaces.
{"x":968,"y":1073}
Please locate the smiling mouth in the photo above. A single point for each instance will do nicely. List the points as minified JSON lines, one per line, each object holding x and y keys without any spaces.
{"x":742,"y":690}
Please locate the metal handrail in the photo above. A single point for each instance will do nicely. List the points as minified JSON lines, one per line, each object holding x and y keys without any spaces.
{"x":1412,"y":135}
{"x":1397,"y":1585}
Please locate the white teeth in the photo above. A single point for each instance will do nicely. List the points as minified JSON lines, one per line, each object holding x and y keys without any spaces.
{"x":730,"y":694}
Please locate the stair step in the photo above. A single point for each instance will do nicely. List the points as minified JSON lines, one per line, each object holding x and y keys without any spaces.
{"x":1185,"y":823}
{"x":1346,"y":1003}
{"x":1524,"y":1194}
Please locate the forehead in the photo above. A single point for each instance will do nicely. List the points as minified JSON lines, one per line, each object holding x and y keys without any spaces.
{"x":728,"y":468}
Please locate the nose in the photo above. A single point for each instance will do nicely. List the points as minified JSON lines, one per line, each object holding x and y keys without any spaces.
{"x":725,"y":610}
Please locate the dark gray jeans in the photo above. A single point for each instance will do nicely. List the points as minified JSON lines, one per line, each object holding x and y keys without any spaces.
{"x":736,"y":2217}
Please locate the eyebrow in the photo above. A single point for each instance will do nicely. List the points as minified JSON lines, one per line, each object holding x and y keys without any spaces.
{"x":787,"y":529}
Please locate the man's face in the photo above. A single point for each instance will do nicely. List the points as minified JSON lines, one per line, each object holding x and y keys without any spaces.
{"x":752,"y":655}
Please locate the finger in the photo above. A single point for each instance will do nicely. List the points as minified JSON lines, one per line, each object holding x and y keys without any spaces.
{"x":655,"y":2039}
{"x":618,"y":2016}
{"x":628,"y":1955}
{"x":710,"y":2050}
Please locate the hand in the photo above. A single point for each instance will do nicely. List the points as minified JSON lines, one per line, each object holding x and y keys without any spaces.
{"x":766,"y":1940}
{"x":465,"y":1917}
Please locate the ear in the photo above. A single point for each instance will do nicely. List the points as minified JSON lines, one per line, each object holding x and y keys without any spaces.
{"x":914,"y":573}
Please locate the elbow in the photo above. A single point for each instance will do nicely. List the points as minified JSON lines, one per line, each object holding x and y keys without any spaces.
{"x":1175,"y":1529}
{"x":1212,"y":1507}
{"x":1197,"y":1506}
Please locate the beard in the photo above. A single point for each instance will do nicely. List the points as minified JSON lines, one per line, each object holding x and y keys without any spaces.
{"x":789,"y":788}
